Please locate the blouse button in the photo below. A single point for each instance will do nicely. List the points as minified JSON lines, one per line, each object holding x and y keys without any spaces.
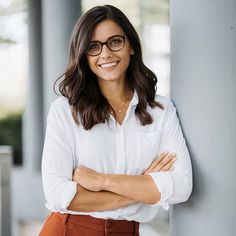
{"x":108,"y":224}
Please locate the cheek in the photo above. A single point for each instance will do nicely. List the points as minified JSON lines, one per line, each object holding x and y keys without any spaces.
{"x":91,"y":64}
{"x":126,"y":60}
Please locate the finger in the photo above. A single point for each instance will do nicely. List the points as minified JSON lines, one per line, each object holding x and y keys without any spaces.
{"x":158,"y":159}
{"x":76,"y":171}
{"x":169,"y":165}
{"x":164,"y":161}
{"x":81,"y":167}
{"x":155,"y":162}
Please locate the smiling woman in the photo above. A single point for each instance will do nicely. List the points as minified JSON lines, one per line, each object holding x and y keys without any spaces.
{"x":114,"y":152}
{"x":126,"y":63}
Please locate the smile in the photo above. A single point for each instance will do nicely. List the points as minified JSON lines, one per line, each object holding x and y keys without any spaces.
{"x":108,"y":65}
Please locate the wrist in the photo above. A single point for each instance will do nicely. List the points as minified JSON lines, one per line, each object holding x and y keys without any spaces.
{"x":105,"y":182}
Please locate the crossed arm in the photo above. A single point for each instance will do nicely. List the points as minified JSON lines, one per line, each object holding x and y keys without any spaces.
{"x":101,"y":192}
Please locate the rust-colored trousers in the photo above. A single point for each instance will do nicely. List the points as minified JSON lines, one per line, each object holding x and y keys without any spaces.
{"x":58,"y":224}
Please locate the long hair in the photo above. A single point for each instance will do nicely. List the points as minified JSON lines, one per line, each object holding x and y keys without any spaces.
{"x":80,"y":84}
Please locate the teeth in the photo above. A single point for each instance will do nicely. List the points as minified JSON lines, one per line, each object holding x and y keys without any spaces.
{"x":108,"y":64}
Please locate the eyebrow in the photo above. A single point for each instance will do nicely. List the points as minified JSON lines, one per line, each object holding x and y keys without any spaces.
{"x":108,"y":38}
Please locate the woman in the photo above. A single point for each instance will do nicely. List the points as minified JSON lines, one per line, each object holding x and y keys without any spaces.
{"x":114,"y":151}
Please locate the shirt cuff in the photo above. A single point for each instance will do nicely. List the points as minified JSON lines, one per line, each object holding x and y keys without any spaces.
{"x":60,"y":203}
{"x":164,"y":184}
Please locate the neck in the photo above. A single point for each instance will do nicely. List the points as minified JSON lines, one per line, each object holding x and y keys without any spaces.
{"x":115,"y":91}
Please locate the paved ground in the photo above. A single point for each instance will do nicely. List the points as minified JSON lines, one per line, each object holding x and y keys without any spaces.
{"x":30,"y":229}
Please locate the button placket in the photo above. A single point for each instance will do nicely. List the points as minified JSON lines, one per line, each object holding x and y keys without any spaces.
{"x":120,"y":150}
{"x":108,"y":224}
{"x":108,"y":227}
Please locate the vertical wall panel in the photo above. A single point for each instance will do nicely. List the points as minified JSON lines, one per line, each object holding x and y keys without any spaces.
{"x":203,"y":87}
{"x":59,"y":17}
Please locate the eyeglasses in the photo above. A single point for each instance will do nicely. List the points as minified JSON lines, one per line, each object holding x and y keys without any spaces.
{"x":114,"y":43}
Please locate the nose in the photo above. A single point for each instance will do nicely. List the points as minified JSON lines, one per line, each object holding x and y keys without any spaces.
{"x":106,"y":52}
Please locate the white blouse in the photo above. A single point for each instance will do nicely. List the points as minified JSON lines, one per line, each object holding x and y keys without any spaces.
{"x":111,"y":148}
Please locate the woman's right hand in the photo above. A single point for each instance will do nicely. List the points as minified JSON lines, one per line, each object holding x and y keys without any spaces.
{"x":164,"y":162}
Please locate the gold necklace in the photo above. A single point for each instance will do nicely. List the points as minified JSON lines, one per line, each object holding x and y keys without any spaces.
{"x":119,"y":110}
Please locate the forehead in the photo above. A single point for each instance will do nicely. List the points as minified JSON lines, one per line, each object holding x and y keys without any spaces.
{"x":105,"y":29}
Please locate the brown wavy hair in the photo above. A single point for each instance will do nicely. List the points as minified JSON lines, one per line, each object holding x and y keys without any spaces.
{"x":80,"y":84}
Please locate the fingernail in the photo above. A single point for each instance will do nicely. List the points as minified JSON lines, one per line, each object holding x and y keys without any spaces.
{"x":172,"y":168}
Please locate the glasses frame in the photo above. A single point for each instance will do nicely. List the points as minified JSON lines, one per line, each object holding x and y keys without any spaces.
{"x":106,"y":43}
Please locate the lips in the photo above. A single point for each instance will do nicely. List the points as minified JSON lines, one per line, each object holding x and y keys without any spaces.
{"x":109,"y":65}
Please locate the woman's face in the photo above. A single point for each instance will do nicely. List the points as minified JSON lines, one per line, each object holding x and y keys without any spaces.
{"x":109,"y":65}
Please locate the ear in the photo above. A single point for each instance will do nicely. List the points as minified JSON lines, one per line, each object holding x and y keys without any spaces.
{"x":131,"y":52}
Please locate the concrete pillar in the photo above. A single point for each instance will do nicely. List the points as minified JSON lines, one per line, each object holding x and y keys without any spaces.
{"x":59,"y":17}
{"x":203,"y":87}
{"x":33,"y":120}
{"x":5,"y":192}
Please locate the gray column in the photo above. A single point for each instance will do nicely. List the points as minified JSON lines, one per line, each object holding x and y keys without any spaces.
{"x":203,"y":87}
{"x":33,"y":120}
{"x":59,"y":17}
{"x":5,"y":192}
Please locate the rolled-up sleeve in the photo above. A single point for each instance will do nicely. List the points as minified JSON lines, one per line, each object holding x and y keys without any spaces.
{"x":57,"y":162}
{"x":175,"y":186}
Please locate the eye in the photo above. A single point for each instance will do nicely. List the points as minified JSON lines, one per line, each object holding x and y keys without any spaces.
{"x":115,"y":41}
{"x":94,"y":46}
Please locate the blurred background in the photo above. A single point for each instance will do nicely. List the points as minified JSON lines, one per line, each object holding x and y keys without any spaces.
{"x":31,"y":32}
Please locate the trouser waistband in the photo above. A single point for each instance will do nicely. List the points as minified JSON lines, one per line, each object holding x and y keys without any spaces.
{"x":107,"y":225}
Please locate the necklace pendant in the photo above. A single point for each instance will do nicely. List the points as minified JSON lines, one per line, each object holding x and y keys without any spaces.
{"x":119,"y":110}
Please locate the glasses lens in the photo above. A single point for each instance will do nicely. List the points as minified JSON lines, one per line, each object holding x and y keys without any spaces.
{"x":116,"y":43}
{"x":94,"y":48}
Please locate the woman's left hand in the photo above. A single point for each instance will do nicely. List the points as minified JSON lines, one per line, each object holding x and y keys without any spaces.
{"x":87,"y":178}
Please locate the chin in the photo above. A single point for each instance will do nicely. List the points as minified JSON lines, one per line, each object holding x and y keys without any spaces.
{"x":109,"y":78}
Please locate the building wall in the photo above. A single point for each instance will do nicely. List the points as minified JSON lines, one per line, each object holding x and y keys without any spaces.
{"x":203,"y":87}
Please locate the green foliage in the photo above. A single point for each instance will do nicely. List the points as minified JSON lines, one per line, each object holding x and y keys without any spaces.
{"x":14,"y":7}
{"x":6,"y":40}
{"x":155,"y":11}
{"x":11,"y":134}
